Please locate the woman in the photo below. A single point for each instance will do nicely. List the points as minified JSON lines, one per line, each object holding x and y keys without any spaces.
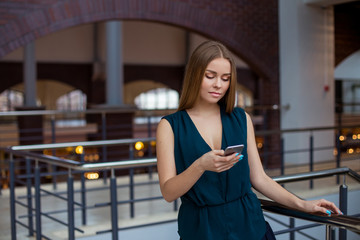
{"x":215,"y":190}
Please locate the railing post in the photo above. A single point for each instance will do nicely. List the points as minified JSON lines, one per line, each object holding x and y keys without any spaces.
{"x":29,"y":197}
{"x":292,"y":225}
{"x":131,"y":192}
{"x":282,"y":158}
{"x":37,"y":201}
{"x":53,"y":140}
{"x":149,"y":126}
{"x":131,"y":182}
{"x":114,"y":210}
{"x":176,"y":205}
{"x":282,"y":167}
{"x":104,"y":149}
{"x":338,"y":156}
{"x":83,"y":193}
{"x":70,"y":202}
{"x":149,"y":145}
{"x":343,"y":195}
{"x":12,"y":197}
{"x":131,"y":151}
{"x":329,"y":233}
{"x":311,"y":150}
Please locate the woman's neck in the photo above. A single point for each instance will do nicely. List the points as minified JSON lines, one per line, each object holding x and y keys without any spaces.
{"x":204,"y":109}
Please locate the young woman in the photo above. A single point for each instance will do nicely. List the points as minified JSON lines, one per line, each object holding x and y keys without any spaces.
{"x":215,"y":190}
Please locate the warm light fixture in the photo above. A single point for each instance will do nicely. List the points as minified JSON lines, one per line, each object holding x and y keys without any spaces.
{"x":139,"y":146}
{"x":79,"y":149}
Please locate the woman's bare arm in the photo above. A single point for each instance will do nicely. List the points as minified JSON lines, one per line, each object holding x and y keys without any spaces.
{"x":271,"y":189}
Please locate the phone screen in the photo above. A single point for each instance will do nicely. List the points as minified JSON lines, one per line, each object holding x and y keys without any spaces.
{"x":233,"y":149}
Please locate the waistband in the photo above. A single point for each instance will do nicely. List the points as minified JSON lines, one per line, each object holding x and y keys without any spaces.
{"x":186,"y":200}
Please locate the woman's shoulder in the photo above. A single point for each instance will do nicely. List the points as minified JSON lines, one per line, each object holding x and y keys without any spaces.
{"x":240,"y":114}
{"x":173,"y":116}
{"x":238,"y":111}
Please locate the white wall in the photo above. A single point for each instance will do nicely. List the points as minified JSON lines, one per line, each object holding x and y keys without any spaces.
{"x":306,"y":67}
{"x":349,"y":69}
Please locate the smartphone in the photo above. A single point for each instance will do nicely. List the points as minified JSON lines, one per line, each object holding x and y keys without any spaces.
{"x":233,"y":149}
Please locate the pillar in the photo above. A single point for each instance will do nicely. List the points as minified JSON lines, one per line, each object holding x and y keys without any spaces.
{"x":306,"y":77}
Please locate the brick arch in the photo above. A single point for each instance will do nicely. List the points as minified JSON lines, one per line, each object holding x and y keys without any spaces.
{"x":248,"y":27}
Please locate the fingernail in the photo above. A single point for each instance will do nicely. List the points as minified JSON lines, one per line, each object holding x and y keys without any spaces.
{"x":237,"y":154}
{"x":341,"y":213}
{"x":241,"y":157}
{"x":328,"y":212}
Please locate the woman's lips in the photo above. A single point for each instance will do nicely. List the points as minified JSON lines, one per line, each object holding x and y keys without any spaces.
{"x":215,"y":94}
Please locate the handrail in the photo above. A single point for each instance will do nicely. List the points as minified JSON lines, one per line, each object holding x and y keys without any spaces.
{"x":316,"y":174}
{"x":84,"y":144}
{"x":308,"y":129}
{"x":144,"y":162}
{"x":71,"y":164}
{"x":346,"y":222}
{"x":342,"y":221}
{"x":66,"y":112}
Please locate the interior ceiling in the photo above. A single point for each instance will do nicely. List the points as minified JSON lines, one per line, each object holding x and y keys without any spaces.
{"x":15,"y":10}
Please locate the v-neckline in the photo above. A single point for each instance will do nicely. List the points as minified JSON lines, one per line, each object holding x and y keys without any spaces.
{"x":199,"y":134}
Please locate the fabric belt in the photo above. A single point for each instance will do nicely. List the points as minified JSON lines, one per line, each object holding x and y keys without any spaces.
{"x":186,"y":200}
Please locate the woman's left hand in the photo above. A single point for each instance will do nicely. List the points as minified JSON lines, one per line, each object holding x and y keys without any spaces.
{"x":322,"y":206}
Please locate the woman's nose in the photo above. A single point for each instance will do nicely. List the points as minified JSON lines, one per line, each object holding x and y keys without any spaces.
{"x":217,"y":83}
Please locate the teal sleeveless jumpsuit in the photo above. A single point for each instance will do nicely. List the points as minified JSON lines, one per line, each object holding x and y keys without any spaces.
{"x":220,"y":206}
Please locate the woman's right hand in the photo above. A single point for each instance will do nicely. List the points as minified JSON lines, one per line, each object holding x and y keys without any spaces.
{"x":216,"y":161}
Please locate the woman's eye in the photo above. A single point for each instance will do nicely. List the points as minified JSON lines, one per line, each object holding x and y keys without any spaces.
{"x":227,"y":78}
{"x":209,"y":76}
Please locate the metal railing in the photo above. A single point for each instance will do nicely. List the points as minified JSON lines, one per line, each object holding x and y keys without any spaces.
{"x":100,"y":129}
{"x":19,"y":153}
{"x":342,"y":222}
{"x":72,"y":167}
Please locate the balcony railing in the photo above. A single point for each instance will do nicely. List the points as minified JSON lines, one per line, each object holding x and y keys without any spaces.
{"x":36,"y":168}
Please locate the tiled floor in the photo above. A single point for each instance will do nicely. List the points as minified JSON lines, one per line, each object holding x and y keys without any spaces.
{"x":145,"y":212}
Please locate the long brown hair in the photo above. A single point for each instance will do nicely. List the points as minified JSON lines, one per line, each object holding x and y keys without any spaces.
{"x":195,"y":70}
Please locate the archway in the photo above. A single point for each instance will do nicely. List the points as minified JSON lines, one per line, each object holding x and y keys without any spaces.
{"x":250,"y":31}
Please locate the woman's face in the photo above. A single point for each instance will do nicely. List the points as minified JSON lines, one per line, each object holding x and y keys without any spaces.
{"x":216,"y":80}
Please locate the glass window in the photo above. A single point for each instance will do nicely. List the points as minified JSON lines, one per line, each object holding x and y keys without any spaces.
{"x":159,"y":98}
{"x":74,"y":100}
{"x":9,"y":99}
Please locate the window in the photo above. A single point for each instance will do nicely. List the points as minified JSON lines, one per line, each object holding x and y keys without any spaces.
{"x":10,"y":99}
{"x":74,"y":100}
{"x":243,"y":97}
{"x":159,"y":98}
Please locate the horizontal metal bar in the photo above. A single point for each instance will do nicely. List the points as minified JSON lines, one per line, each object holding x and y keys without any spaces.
{"x":342,"y":221}
{"x":299,"y":228}
{"x":61,"y":222}
{"x":316,"y":174}
{"x":67,"y":112}
{"x":118,"y":164}
{"x":27,"y":227}
{"x":137,"y":226}
{"x":84,"y":144}
{"x":123,"y":164}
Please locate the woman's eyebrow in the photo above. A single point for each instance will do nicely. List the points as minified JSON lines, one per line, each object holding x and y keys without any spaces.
{"x":211,"y":71}
{"x":208,"y":70}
